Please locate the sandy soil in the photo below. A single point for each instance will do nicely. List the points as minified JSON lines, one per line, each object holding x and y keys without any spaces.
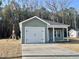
{"x":72,"y":45}
{"x":10,"y":49}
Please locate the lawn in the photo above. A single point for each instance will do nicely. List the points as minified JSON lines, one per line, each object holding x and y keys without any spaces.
{"x":10,"y":49}
{"x":72,"y":45}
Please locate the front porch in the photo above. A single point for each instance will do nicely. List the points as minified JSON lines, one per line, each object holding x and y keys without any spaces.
{"x":57,"y":33}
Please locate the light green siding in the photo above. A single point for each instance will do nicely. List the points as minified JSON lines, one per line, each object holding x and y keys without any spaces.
{"x":33,"y":23}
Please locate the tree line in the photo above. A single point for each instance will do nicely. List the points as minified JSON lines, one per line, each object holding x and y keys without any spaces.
{"x":16,"y":11}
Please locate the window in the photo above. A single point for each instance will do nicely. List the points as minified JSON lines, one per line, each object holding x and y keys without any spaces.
{"x":59,"y":33}
{"x":55,"y":33}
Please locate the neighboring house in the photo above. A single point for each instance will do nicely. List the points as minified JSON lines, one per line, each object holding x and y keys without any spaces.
{"x":37,"y":30}
{"x":73,"y":33}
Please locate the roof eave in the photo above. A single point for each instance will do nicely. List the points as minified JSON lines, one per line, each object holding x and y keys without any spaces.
{"x":58,"y":26}
{"x":32,"y":18}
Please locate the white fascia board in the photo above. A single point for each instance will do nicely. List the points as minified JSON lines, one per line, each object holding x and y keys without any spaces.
{"x":42,"y":20}
{"x":27,"y":20}
{"x":59,"y":26}
{"x":34,"y":17}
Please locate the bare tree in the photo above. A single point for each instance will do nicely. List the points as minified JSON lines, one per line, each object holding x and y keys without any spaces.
{"x":63,"y":5}
{"x":56,"y":6}
{"x":53,"y":7}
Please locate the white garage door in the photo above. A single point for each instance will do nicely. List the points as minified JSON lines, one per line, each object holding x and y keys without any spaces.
{"x":34,"y":34}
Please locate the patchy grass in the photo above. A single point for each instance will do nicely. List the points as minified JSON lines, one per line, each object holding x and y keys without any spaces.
{"x":72,"y":45}
{"x":10,"y":49}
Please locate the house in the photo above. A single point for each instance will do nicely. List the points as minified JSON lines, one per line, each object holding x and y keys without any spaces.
{"x":37,"y":30}
{"x":73,"y":33}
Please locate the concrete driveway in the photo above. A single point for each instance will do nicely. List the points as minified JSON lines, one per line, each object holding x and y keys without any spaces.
{"x":47,"y":51}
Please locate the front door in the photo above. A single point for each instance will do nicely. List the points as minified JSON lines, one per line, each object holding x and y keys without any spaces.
{"x":58,"y":34}
{"x":50,"y":35}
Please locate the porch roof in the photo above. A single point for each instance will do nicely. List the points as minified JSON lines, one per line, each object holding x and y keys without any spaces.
{"x":56,"y":24}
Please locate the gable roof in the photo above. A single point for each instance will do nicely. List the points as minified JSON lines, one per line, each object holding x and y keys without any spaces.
{"x":35,"y":17}
{"x":48,"y":22}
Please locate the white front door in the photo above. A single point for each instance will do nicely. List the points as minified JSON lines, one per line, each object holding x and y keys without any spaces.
{"x":34,"y":34}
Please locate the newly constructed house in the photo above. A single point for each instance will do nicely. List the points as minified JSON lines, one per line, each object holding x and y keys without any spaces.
{"x":37,"y":30}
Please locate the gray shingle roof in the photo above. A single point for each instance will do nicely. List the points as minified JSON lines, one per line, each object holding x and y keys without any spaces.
{"x":54,"y":23}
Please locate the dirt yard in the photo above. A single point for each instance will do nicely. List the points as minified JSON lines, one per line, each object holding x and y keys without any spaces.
{"x":72,"y":45}
{"x":10,"y":49}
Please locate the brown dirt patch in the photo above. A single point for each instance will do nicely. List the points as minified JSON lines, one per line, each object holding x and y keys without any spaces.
{"x":10,"y":49}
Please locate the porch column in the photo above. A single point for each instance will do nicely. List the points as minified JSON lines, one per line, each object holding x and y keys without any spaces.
{"x":53,"y":35}
{"x":47,"y":35}
{"x":67,"y":34}
{"x":63,"y":33}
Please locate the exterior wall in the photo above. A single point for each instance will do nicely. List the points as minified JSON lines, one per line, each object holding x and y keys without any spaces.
{"x":33,"y":23}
